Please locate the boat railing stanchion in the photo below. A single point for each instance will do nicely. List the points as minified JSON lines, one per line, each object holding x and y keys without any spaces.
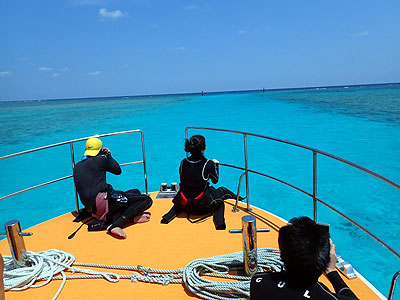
{"x":16,"y":242}
{"x":393,"y":285}
{"x":249,"y":238}
{"x":235,"y":209}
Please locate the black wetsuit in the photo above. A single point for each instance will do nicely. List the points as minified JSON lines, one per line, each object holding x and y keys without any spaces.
{"x":90,"y":179}
{"x":272,"y":286}
{"x":195,"y":195}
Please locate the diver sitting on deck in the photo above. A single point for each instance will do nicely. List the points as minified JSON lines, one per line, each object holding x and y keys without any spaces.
{"x":112,"y":208}
{"x":195,"y":195}
{"x":306,"y":251}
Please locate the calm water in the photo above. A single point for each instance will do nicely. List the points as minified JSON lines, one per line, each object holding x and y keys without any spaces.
{"x":360,"y":124}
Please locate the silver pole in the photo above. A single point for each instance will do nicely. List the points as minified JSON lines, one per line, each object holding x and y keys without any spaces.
{"x":249,"y":235}
{"x":315,"y":186}
{"x":16,"y":242}
{"x":393,"y":285}
{"x":144,"y":163}
{"x":247,"y":172}
{"x":71,"y":146}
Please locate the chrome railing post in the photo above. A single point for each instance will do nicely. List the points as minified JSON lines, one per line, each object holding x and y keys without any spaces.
{"x":315,"y":186}
{"x":393,"y":285}
{"x":186,"y":138}
{"x":71,"y":146}
{"x":235,"y":209}
{"x":144,"y":163}
{"x":246,"y":172}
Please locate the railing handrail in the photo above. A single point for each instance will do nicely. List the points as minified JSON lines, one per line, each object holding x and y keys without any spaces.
{"x":393,"y":285}
{"x":66,"y":142}
{"x":315,"y":151}
{"x":71,"y":142}
{"x":387,"y":180}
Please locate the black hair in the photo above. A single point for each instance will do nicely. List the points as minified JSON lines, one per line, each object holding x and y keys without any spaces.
{"x":195,"y":144}
{"x":305,"y":249}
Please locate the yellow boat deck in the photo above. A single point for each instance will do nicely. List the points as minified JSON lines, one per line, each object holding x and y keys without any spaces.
{"x":151,"y":244}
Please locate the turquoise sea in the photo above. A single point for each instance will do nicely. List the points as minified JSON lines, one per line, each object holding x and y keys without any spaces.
{"x":357,"y":123}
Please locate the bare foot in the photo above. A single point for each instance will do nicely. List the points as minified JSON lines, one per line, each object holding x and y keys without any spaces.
{"x":142,"y":218}
{"x":118,"y":232}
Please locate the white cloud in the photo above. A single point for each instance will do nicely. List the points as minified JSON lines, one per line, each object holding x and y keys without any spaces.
{"x":180,"y":48}
{"x":55,"y":75}
{"x":95,"y":73}
{"x":113,"y":14}
{"x":5,"y":74}
{"x":45,"y":69}
{"x":241,"y":31}
{"x":191,"y":7}
{"x":65,"y":69}
{"x":364,"y":33}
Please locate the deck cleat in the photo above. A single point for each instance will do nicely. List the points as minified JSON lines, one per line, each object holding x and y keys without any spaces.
{"x":168,"y":191}
{"x":345,"y":268}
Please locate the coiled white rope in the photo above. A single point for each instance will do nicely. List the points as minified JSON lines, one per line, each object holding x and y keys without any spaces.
{"x":219,"y":266}
{"x":45,"y":264}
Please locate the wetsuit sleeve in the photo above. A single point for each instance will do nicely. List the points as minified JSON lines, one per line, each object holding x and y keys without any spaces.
{"x":213,"y":171}
{"x":111,"y":165}
{"x":339,"y":285}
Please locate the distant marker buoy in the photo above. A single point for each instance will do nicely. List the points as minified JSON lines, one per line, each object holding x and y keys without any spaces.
{"x":202,"y":93}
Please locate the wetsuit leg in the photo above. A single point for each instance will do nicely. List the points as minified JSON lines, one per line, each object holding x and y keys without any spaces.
{"x":218,"y":216}
{"x":222,"y":193}
{"x":174,"y":211}
{"x":120,"y":214}
{"x":218,"y":196}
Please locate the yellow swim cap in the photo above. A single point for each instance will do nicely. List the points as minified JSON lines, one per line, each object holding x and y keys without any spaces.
{"x":93,"y":146}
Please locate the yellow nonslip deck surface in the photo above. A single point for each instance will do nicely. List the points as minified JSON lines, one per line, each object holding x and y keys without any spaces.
{"x":151,"y":244}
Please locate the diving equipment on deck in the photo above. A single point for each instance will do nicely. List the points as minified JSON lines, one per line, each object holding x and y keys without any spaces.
{"x":16,"y":242}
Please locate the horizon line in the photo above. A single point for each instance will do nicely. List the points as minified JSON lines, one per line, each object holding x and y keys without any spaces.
{"x":202,"y":92}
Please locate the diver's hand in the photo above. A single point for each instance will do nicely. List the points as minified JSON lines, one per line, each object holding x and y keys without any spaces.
{"x":332,"y":263}
{"x":215,"y":161}
{"x":106,"y":151}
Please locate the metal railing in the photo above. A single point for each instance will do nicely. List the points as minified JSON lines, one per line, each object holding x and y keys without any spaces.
{"x":315,"y":152}
{"x":393,"y":284}
{"x":71,"y":143}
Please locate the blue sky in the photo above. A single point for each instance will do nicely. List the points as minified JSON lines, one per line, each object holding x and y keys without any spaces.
{"x":98,"y":48}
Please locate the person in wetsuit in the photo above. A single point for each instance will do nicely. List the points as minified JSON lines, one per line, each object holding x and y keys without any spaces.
{"x":306,"y":251}
{"x":196,"y":196}
{"x":114,"y":208}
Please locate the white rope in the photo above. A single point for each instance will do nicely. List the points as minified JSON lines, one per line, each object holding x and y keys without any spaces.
{"x":45,"y":265}
{"x":219,"y":266}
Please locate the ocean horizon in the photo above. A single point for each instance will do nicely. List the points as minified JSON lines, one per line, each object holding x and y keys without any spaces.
{"x":212,"y":92}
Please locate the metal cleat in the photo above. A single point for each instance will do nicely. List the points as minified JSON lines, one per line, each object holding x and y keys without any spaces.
{"x":345,"y":267}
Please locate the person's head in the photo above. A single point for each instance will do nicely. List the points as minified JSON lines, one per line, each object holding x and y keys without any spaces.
{"x":93,"y":146}
{"x":195,"y":145}
{"x":304,"y":249}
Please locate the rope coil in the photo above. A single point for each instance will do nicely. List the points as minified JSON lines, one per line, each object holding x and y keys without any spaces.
{"x":44,"y":265}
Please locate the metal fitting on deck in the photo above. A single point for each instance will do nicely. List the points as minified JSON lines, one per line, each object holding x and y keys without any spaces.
{"x":249,"y":238}
{"x":16,"y":242}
